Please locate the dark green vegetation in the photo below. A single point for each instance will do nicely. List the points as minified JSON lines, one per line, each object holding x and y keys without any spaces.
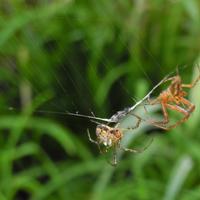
{"x":93,"y":55}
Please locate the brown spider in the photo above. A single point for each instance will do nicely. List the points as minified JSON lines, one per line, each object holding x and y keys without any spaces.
{"x":174,"y":98}
{"x":111,"y":137}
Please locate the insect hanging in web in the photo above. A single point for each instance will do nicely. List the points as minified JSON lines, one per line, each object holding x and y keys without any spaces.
{"x":111,"y":137}
{"x":173,"y":98}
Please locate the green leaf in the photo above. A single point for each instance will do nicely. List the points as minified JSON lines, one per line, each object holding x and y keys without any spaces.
{"x":106,"y":83}
{"x":178,"y":176}
{"x":48,"y":127}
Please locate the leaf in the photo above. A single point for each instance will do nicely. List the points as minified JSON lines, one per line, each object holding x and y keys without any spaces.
{"x":48,"y":127}
{"x":178,"y":176}
{"x":106,"y":83}
{"x":25,"y":17}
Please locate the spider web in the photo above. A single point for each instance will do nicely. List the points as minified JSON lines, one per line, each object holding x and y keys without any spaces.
{"x":33,"y":38}
{"x":79,"y":71}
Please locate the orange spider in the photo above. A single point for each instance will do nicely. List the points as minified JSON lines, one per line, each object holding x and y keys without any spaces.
{"x":174,"y":98}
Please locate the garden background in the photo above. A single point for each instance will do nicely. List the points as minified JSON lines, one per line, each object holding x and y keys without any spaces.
{"x":94,"y":57}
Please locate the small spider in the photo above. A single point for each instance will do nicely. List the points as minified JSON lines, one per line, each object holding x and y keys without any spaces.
{"x":110,"y":137}
{"x":174,"y":98}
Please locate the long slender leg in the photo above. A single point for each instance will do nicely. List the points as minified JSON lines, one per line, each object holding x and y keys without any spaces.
{"x":139,"y":119}
{"x":170,"y":79}
{"x":136,"y":150}
{"x":96,"y":122}
{"x":145,"y":109}
{"x":93,"y":141}
{"x":192,"y":84}
{"x":191,"y":106}
{"x":165,"y":114}
{"x":153,"y":101}
{"x":115,"y":156}
{"x":181,"y":110}
{"x":159,"y":124}
{"x":178,"y":109}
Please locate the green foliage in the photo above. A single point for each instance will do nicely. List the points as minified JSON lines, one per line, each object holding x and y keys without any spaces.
{"x":101,"y":56}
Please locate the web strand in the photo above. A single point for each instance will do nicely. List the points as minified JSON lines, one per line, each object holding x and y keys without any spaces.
{"x":120,"y":114}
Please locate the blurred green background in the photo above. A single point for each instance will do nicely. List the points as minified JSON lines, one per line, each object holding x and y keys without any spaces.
{"x":94,"y":56}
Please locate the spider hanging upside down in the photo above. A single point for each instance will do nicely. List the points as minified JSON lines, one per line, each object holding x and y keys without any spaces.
{"x":174,"y":98}
{"x":111,"y":137}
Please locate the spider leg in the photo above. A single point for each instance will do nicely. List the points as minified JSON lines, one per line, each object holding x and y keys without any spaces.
{"x":178,"y":109}
{"x":165,"y":120}
{"x":191,"y":85}
{"x":170,"y":79}
{"x":139,"y":119}
{"x":136,"y":150}
{"x":181,"y":110}
{"x":165,"y":113}
{"x":162,"y":124}
{"x":96,"y":122}
{"x":190,"y":106}
{"x":116,"y":126}
{"x":114,"y":159}
{"x":93,"y":141}
{"x":145,"y":109}
{"x":115,"y":156}
{"x":152,"y":101}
